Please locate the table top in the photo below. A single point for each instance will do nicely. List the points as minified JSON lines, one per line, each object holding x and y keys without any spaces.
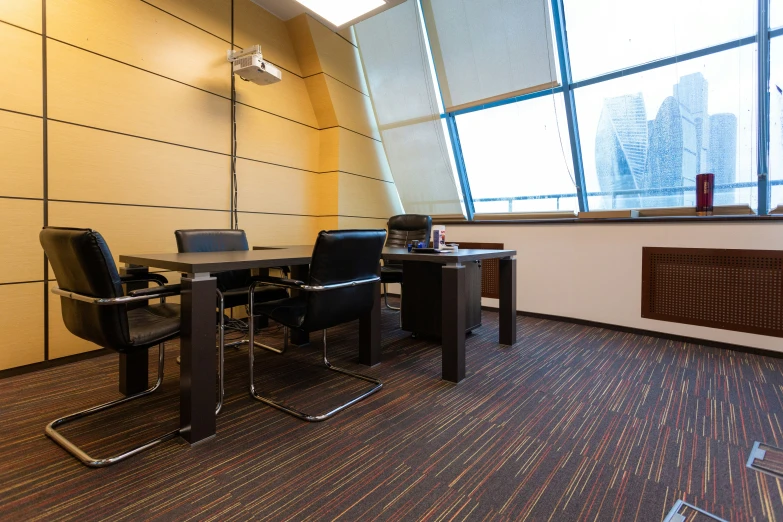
{"x":267,"y":257}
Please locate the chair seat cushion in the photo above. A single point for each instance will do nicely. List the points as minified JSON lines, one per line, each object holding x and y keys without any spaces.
{"x":289,"y":312}
{"x":391,"y":274}
{"x":153,"y":324}
{"x":238,"y":296}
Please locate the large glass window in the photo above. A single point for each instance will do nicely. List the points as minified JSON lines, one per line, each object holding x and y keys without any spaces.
{"x":518,"y":156}
{"x":609,"y":35}
{"x":645,"y":136}
{"x":776,"y":121}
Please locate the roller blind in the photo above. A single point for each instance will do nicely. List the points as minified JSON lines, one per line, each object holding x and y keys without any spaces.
{"x":393,"y":50}
{"x":490,"y":49}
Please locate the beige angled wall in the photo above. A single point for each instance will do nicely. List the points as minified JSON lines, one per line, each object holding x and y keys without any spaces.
{"x":136,"y":139}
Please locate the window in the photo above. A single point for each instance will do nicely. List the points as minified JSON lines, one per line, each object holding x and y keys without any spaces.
{"x":645,"y":136}
{"x":609,"y":35}
{"x":518,"y":156}
{"x":776,"y":122}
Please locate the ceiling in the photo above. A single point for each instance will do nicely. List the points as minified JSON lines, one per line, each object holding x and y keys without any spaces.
{"x":283,"y":9}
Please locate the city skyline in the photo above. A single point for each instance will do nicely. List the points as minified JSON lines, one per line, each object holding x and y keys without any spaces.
{"x":634,"y":154}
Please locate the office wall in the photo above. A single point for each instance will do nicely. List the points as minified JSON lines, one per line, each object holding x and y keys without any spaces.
{"x":593,"y":271}
{"x":117,"y":115}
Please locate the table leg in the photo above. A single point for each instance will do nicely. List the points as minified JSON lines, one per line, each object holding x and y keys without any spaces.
{"x":197,"y":351}
{"x":370,"y":331}
{"x":453,"y":322}
{"x":300,"y":273}
{"x":508,"y":301}
{"x":134,"y":369}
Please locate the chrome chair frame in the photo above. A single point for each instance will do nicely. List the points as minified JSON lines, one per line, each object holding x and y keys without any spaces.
{"x":386,"y":298}
{"x":70,"y":447}
{"x":300,"y":285}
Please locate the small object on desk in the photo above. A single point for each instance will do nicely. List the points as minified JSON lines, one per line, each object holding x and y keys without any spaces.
{"x":428,"y":250}
{"x":420,"y":244}
{"x":410,"y":247}
{"x":436,"y":239}
{"x":705,"y":190}
{"x":450,"y":247}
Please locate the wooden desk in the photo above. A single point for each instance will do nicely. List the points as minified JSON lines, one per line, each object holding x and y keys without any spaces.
{"x":197,"y":338}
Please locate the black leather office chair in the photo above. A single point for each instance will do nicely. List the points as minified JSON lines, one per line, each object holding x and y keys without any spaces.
{"x":232,"y":287}
{"x":403,"y":229}
{"x":343,"y":270}
{"x":95,"y":309}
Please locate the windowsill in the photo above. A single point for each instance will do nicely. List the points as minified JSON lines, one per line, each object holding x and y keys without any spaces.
{"x":653,"y":219}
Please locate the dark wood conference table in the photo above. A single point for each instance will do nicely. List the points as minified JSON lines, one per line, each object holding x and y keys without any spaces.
{"x":197,"y":336}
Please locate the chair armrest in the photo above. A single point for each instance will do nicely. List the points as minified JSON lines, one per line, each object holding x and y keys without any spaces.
{"x":277,"y":281}
{"x":152,"y":293}
{"x":301,"y":285}
{"x":159,"y":291}
{"x":144,"y":277}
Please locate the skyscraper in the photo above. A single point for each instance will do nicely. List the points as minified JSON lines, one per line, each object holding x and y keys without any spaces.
{"x":621,"y":148}
{"x":723,"y":154}
{"x":672,"y":159}
{"x":692,"y":91}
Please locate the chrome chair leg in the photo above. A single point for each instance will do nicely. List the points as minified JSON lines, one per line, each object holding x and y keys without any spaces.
{"x":386,"y":299}
{"x":323,"y":416}
{"x":94,"y":462}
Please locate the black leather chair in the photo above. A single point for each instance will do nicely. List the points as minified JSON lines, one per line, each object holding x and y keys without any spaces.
{"x":343,"y":270}
{"x":94,"y":308}
{"x":403,"y":229}
{"x":232,"y":287}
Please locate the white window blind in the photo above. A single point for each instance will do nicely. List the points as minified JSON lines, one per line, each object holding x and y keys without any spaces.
{"x":490,"y":49}
{"x":394,"y":55}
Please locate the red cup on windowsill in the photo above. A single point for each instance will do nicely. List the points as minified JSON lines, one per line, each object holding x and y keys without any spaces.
{"x":705,"y":192}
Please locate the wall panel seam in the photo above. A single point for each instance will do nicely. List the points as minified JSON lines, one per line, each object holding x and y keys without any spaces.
{"x":19,"y":27}
{"x":351,"y":130}
{"x":337,"y":80}
{"x":189,"y":23}
{"x":45,"y":152}
{"x":391,"y":182}
{"x":20,"y":113}
{"x":22,"y":198}
{"x":22,"y":282}
{"x":137,"y":67}
{"x":142,"y":205}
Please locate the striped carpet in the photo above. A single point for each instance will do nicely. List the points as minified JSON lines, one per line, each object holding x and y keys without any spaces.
{"x":571,"y":423}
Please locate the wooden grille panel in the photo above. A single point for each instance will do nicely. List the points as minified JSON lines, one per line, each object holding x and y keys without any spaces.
{"x":490,"y":269}
{"x":740,"y":290}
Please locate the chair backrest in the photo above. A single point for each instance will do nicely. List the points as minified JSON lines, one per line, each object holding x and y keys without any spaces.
{"x":217,"y":240}
{"x":83,"y":264}
{"x":407,"y":228}
{"x":340,"y":256}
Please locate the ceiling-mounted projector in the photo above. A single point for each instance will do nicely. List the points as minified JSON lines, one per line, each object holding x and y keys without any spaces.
{"x":249,"y":65}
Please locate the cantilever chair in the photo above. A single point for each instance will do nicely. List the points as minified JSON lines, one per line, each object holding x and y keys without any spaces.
{"x":232,"y":286}
{"x":403,"y":229}
{"x":95,"y":308}
{"x":343,"y":270}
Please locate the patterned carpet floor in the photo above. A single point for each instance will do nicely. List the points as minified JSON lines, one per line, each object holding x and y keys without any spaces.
{"x":571,"y":423}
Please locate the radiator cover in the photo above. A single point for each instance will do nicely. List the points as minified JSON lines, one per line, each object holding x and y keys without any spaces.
{"x":739,"y":290}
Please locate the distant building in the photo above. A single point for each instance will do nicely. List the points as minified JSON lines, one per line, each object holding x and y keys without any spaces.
{"x":692,"y":91}
{"x":621,"y":149}
{"x":723,"y":155}
{"x":672,"y":158}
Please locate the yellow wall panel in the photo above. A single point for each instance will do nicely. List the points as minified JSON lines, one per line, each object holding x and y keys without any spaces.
{"x":365,"y":197}
{"x":321,"y":100}
{"x":211,"y":15}
{"x":22,"y":257}
{"x":22,"y":323}
{"x":361,"y":223}
{"x":24,"y":13}
{"x":328,"y":189}
{"x":92,"y":165}
{"x":288,"y":98}
{"x":254,"y":25}
{"x":352,"y":108}
{"x":269,"y":138}
{"x":261,"y":186}
{"x":337,"y":57}
{"x":21,"y":87}
{"x":134,"y":230}
{"x":141,"y":35}
{"x":304,"y":46}
{"x":273,"y":230}
{"x":349,"y":35}
{"x":347,"y":151}
{"x":91,"y":90}
{"x":21,"y":155}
